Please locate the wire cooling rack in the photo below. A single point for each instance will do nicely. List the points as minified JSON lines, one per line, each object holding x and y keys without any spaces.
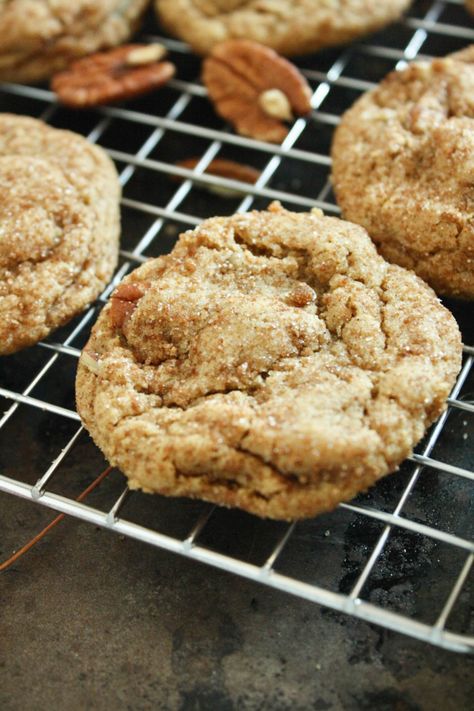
{"x":401,"y":555}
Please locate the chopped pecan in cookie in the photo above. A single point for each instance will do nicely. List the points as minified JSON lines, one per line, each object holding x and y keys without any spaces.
{"x":124,"y":302}
{"x":122,"y":73}
{"x":90,"y":360}
{"x":255,"y":89}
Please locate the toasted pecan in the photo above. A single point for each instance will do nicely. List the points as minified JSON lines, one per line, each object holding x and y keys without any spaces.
{"x":90,"y":360}
{"x":123,"y":302}
{"x":223,"y":168}
{"x":255,"y":89}
{"x":104,"y":77}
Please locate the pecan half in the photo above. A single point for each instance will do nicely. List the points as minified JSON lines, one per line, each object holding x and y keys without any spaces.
{"x":123,"y":302}
{"x":121,"y":73}
{"x":224,"y":169}
{"x":255,"y":89}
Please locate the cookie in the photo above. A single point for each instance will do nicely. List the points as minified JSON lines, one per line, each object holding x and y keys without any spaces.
{"x":287,"y":27}
{"x":40,"y":37}
{"x":272,"y":361}
{"x":470,"y":5}
{"x":59,"y":228}
{"x":403,"y":161}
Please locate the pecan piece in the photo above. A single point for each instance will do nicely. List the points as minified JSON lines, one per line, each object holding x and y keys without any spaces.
{"x":121,"y":73}
{"x":90,"y":360}
{"x":123,"y":302}
{"x":255,"y":89}
{"x":224,"y":169}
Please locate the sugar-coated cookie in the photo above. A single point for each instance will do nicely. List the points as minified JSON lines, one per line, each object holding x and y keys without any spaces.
{"x":40,"y":37}
{"x":59,"y":227}
{"x":403,"y":167}
{"x":273,"y":362}
{"x":290,"y":27}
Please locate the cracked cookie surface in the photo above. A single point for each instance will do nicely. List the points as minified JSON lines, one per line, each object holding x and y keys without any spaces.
{"x":403,"y":166}
{"x":59,"y":228}
{"x":40,"y":37}
{"x":272,"y":361}
{"x":287,"y":26}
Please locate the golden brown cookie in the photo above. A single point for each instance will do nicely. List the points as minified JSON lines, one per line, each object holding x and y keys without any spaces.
{"x":403,"y":166}
{"x":470,"y":5}
{"x":59,"y":227}
{"x":40,"y":37}
{"x":273,"y":361}
{"x":287,"y":26}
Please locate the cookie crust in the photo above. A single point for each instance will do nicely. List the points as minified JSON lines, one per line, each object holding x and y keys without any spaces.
{"x":286,"y":26}
{"x":59,"y":228}
{"x":40,"y":37}
{"x":273,"y":362}
{"x":403,"y":161}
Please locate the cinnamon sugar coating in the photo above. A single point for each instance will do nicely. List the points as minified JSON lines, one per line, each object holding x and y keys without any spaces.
{"x":40,"y":37}
{"x":59,"y":226}
{"x":290,"y":27}
{"x":403,"y":166}
{"x":274,"y":362}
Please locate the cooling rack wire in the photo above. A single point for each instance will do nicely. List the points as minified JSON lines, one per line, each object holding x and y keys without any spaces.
{"x":145,"y":138}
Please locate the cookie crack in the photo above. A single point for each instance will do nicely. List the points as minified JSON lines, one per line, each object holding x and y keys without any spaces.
{"x":382,"y":310}
{"x":11,"y":271}
{"x":229,"y":484}
{"x":299,"y":255}
{"x":290,"y":478}
{"x":418,"y":255}
{"x":285,"y":476}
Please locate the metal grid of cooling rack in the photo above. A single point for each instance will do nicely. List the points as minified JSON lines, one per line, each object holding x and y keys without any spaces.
{"x":137,"y":137}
